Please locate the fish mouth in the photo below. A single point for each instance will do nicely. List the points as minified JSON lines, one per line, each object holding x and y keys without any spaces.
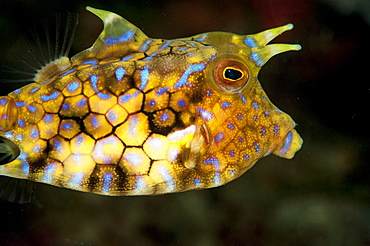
{"x":291,"y":144}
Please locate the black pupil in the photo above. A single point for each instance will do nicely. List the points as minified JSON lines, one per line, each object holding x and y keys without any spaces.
{"x":233,"y":74}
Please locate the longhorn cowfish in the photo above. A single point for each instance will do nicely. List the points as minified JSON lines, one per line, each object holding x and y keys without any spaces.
{"x":133,"y":115}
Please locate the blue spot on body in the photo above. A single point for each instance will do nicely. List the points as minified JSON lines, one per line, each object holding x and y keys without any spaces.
{"x":232,"y":153}
{"x":133,"y":124}
{"x":219,"y":137}
{"x":66,"y":106}
{"x":240,"y":116}
{"x":34,"y":133}
{"x":240,"y":140}
{"x":76,"y":179}
{"x":212,"y":161}
{"x":32,"y":109}
{"x":89,"y":62}
{"x":125,"y":98}
{"x":205,"y":114}
{"x":263,"y":131}
{"x":120,"y":72}
{"x":167,"y":177}
{"x":161,"y":91}
{"x":17,"y":91}
{"x":21,"y":123}
{"x":20,"y":104}
{"x":256,"y":147}
{"x":107,"y":180}
{"x":144,"y":78}
{"x":140,"y":183}
{"x":94,"y":122}
{"x":266,"y":114}
{"x":166,"y":45}
{"x":165,"y":117}
{"x":125,"y":37}
{"x":230,"y":126}
{"x":183,"y":48}
{"x":246,"y":157}
{"x":52,"y":96}
{"x":103,"y":96}
{"x":19,"y":137}
{"x":112,"y":116}
{"x":66,"y":126}
{"x":256,"y":59}
{"x":48,"y":172}
{"x":225,"y":105}
{"x":209,"y":92}
{"x":82,"y":102}
{"x":184,"y":77}
{"x":9,"y":134}
{"x":145,"y":45}
{"x":250,"y":42}
{"x":68,"y":72}
{"x":3,"y":102}
{"x":255,"y":105}
{"x":25,"y":166}
{"x":57,"y":145}
{"x":35,"y":89}
{"x":73,"y":86}
{"x":201,"y":38}
{"x":48,"y":118}
{"x":244,"y":100}
{"x":181,"y":103}
{"x":217,"y":178}
{"x":94,"y":82}
{"x":196,"y":181}
{"x":276,"y":129}
{"x":151,"y":56}
{"x":126,"y":58}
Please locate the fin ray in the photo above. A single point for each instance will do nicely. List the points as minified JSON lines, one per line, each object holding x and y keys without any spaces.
{"x":16,"y":190}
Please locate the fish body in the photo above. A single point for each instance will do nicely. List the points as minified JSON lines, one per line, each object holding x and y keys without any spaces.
{"x":134,"y":115}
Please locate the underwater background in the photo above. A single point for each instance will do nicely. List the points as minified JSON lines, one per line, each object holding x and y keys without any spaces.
{"x":320,"y":197}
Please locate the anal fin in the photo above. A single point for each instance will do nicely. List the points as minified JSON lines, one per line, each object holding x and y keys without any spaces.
{"x":16,"y":190}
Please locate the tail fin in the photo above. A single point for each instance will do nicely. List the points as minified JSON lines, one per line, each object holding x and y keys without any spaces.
{"x":8,"y":151}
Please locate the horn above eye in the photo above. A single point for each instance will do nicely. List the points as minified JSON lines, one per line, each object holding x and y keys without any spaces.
{"x":231,"y":75}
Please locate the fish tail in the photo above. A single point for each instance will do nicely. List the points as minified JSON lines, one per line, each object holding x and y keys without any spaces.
{"x":9,"y":151}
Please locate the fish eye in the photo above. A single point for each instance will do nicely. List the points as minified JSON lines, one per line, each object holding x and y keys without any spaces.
{"x":231,"y":75}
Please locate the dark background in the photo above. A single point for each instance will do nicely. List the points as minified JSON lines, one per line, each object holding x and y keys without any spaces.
{"x":321,"y":197}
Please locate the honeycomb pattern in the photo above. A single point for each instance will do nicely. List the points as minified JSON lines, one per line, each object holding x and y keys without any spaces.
{"x":140,"y":116}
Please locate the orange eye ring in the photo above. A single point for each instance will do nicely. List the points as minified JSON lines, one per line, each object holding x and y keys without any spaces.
{"x":231,"y":76}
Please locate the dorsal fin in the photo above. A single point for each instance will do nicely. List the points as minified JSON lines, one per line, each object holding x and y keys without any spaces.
{"x":39,"y":54}
{"x":118,"y":38}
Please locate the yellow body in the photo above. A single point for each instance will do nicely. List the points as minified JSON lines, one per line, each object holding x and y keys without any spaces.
{"x":139,"y":116}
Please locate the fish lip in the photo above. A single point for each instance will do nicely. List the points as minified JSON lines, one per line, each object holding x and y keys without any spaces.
{"x":292,"y":143}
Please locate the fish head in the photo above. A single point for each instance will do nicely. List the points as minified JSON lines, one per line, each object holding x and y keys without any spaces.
{"x":234,"y":122}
